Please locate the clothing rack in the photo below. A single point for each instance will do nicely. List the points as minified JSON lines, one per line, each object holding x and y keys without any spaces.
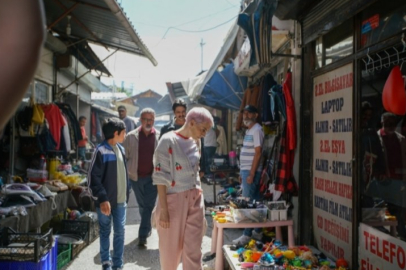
{"x":385,"y":58}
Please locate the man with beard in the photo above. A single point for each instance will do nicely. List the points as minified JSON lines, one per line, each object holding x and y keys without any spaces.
{"x":250,"y":167}
{"x":139,"y":147}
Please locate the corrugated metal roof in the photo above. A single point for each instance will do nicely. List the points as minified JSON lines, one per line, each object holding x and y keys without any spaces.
{"x":100,"y":21}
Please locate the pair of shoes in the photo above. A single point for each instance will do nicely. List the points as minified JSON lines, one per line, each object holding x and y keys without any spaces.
{"x":257,"y":236}
{"x":106,"y":266}
{"x":142,"y":242}
{"x":242,"y":240}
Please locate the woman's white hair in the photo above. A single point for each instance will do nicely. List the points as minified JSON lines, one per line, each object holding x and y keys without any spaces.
{"x":200,"y":115}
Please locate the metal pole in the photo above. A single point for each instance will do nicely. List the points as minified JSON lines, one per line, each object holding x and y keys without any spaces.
{"x":12,"y":149}
{"x":201,"y":45}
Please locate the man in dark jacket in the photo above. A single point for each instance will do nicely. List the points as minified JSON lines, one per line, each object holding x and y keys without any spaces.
{"x":108,"y":184}
{"x":179,"y":110}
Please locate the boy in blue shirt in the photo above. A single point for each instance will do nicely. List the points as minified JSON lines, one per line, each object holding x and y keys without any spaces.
{"x":108,"y":184}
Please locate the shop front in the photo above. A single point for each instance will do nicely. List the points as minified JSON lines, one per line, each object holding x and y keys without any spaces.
{"x":353,"y":110}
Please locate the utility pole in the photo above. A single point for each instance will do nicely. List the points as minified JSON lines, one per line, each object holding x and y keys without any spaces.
{"x":201,"y":45}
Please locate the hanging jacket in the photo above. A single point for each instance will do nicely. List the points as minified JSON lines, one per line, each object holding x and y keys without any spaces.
{"x":252,"y":97}
{"x":290,"y":112}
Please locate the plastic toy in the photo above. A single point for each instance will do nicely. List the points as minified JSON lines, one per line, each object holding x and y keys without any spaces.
{"x":248,"y":256}
{"x":256,"y":256}
{"x":289,"y":254}
{"x":247,"y":265}
{"x":341,"y":262}
{"x":266,"y":260}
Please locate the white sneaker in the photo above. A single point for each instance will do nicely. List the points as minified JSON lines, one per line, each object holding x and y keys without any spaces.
{"x":257,"y":236}
{"x":242,"y":240}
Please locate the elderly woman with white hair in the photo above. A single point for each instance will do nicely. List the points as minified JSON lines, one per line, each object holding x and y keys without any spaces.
{"x":179,"y":215}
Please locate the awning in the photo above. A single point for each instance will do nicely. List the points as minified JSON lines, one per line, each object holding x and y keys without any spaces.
{"x":224,"y":89}
{"x":99,"y":21}
{"x":104,"y":109}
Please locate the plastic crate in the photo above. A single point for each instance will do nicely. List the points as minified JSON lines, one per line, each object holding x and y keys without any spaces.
{"x":254,"y":215}
{"x":24,"y":246}
{"x":80,"y":228}
{"x":47,"y":262}
{"x":64,"y":255}
{"x":37,"y":175}
{"x":277,"y":211}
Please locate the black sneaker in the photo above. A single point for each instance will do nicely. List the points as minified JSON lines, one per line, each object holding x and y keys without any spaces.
{"x":142,"y":242}
{"x":106,"y":267}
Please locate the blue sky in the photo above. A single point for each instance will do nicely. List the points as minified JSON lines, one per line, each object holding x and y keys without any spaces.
{"x":178,"y":53}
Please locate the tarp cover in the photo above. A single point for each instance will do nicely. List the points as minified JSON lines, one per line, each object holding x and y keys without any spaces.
{"x":224,"y":89}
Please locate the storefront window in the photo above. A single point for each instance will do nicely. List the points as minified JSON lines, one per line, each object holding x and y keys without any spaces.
{"x":382,"y":20}
{"x":383,"y":156}
{"x":41,"y":92}
{"x":335,"y":45}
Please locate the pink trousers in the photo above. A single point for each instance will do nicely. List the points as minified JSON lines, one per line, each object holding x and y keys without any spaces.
{"x":183,"y":239}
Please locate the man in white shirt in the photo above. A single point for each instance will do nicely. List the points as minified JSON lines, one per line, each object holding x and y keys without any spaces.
{"x":250,"y":166}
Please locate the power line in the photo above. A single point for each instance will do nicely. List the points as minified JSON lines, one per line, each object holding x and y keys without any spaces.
{"x":198,"y":31}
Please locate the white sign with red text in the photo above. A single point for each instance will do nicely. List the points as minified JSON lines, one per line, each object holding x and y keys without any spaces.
{"x":380,"y":251}
{"x":332,"y":162}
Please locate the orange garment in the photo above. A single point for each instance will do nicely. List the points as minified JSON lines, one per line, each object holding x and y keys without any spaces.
{"x":251,"y":97}
{"x":82,"y":143}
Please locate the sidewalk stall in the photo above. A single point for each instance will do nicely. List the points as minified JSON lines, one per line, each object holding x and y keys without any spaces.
{"x":47,"y":214}
{"x":352,"y":114}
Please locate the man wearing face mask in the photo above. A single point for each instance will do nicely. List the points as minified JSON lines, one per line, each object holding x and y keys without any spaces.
{"x":250,"y":166}
{"x":394,"y":151}
{"x":139,"y":147}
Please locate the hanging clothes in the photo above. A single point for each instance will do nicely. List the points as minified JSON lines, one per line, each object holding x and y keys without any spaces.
{"x":221,"y":142}
{"x":285,"y":182}
{"x":55,"y":120}
{"x":290,"y":112}
{"x":74,"y":123}
{"x":277,"y":102}
{"x":252,"y":96}
{"x":268,"y":83}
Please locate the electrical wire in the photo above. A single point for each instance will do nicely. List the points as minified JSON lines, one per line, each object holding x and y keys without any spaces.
{"x":198,"y":31}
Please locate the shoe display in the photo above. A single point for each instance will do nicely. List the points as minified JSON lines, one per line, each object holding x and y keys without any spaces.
{"x":257,"y":236}
{"x":242,"y":240}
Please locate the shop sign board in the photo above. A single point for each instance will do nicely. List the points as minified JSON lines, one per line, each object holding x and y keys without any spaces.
{"x":380,"y":251}
{"x":332,"y":162}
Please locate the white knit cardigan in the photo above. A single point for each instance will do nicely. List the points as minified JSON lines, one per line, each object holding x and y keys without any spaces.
{"x":172,"y":167}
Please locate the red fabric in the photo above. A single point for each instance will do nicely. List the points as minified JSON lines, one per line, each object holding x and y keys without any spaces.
{"x":290,"y":112}
{"x":82,"y":143}
{"x":146,"y":148}
{"x":55,"y":121}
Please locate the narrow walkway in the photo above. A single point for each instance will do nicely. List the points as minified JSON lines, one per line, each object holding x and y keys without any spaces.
{"x":148,"y":259}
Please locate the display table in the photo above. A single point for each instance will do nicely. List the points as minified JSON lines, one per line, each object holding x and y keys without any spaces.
{"x":39,"y":214}
{"x":225,"y":171}
{"x":218,"y":235}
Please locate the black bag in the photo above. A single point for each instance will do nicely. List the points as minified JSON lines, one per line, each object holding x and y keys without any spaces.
{"x":45,"y":140}
{"x":24,"y":117}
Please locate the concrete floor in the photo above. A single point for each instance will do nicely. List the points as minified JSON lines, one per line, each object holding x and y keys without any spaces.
{"x":140,"y":259}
